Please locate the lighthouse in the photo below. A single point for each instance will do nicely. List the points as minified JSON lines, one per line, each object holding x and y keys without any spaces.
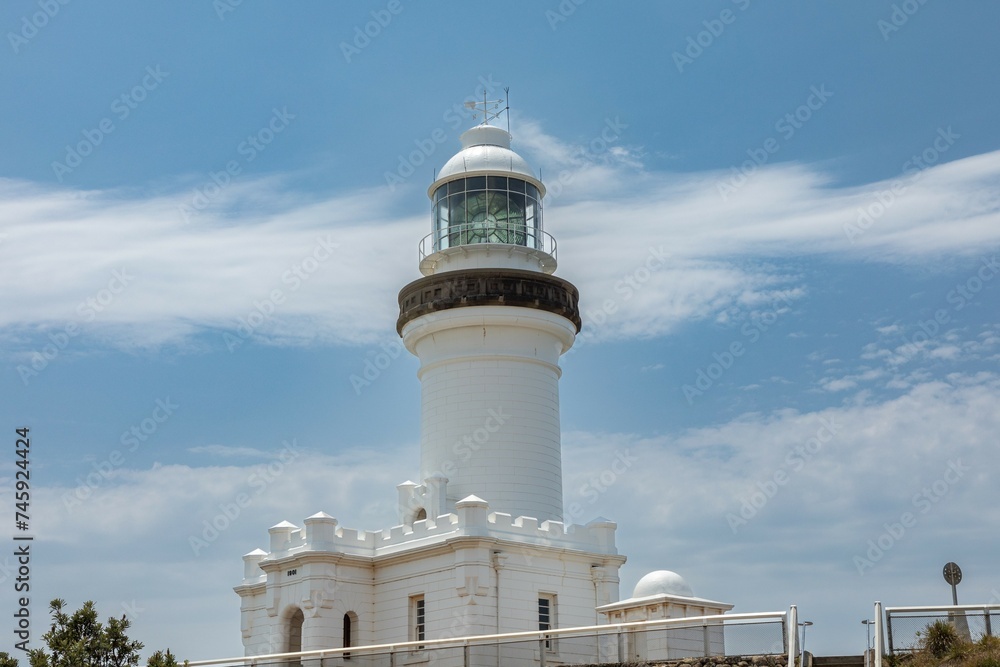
{"x":480,"y":545}
{"x":488,"y":322}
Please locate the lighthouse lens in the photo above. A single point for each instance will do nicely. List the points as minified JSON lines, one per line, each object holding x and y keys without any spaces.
{"x":486,"y":209}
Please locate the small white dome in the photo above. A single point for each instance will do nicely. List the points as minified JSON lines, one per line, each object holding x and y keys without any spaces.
{"x":662,"y":581}
{"x":485,"y":150}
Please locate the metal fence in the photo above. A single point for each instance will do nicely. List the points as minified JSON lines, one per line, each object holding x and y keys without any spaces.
{"x":668,"y":639}
{"x":905,"y":626}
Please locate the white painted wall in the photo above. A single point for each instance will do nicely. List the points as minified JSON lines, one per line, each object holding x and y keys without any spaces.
{"x":480,"y":572}
{"x":489,"y":380}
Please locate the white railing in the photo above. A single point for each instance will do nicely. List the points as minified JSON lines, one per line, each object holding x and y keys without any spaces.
{"x":901,"y":623}
{"x":412,"y":651}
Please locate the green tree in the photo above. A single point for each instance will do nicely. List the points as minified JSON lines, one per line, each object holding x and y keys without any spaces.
{"x":80,"y":640}
{"x":160,"y":659}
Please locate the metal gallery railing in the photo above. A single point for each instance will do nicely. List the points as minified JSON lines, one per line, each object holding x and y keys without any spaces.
{"x":764,"y":633}
{"x":474,"y":233}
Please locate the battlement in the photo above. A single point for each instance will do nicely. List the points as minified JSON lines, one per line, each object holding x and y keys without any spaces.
{"x":472,"y":518}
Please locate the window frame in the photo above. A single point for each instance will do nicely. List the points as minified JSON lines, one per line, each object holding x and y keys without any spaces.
{"x":549,"y":622}
{"x":417,"y":619}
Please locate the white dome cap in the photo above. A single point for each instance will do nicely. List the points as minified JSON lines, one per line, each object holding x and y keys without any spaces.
{"x":662,"y":581}
{"x":485,"y":150}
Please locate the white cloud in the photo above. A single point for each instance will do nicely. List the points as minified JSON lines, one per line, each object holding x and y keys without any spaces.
{"x":677,"y":503}
{"x":673,"y":503}
{"x":230,"y":451}
{"x":63,"y":246}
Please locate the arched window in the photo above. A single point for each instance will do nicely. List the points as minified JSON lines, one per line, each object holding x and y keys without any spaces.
{"x":421,"y":515}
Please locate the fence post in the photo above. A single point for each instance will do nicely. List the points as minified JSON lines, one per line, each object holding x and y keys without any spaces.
{"x":704,"y":639}
{"x":879,"y":638}
{"x":888,"y":632}
{"x":792,"y":631}
{"x":621,"y":646}
{"x":465,"y":654}
{"x":541,"y":652}
{"x":989,"y":630}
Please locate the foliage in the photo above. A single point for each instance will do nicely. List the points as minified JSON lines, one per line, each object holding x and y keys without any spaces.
{"x":939,"y":638}
{"x":80,"y":640}
{"x":942,"y":644}
{"x":163,"y":659}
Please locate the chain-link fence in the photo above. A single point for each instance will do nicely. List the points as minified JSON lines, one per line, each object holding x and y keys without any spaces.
{"x":905,"y":629}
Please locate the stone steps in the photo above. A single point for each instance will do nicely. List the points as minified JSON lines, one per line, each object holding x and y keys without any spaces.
{"x":838,"y":661}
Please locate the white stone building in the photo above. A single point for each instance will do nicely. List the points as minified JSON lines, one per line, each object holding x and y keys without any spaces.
{"x":480,"y":547}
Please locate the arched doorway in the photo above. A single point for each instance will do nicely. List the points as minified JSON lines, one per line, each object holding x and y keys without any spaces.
{"x":350,"y":630}
{"x":294,"y":635}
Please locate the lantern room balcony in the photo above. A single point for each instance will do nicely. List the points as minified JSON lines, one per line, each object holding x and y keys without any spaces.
{"x":487,"y":245}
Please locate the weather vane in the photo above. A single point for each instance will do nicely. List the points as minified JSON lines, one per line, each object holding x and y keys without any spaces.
{"x":490,"y":109}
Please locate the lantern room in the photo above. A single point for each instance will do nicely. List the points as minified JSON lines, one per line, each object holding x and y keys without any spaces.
{"x":486,"y":195}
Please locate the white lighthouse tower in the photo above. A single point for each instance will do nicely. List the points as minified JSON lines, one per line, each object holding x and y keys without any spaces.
{"x":480,"y":546}
{"x":488,"y":323}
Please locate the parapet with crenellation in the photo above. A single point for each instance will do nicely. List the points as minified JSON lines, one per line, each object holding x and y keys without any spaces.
{"x":472,"y":517}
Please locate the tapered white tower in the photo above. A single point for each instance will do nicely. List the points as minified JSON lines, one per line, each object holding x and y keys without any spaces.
{"x":489,"y":323}
{"x":480,"y":546}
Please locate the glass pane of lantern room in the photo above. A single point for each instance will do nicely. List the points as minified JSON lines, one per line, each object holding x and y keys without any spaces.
{"x":534,"y":238}
{"x":456,"y":220}
{"x":441,"y":223}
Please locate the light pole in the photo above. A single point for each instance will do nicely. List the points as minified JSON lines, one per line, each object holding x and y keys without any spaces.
{"x":868,"y":641}
{"x":802,"y":652}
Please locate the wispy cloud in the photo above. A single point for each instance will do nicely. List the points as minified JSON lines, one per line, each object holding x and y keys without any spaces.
{"x":260,"y":239}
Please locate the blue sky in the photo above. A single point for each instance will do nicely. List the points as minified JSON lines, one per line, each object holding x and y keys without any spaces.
{"x":207,"y":209}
